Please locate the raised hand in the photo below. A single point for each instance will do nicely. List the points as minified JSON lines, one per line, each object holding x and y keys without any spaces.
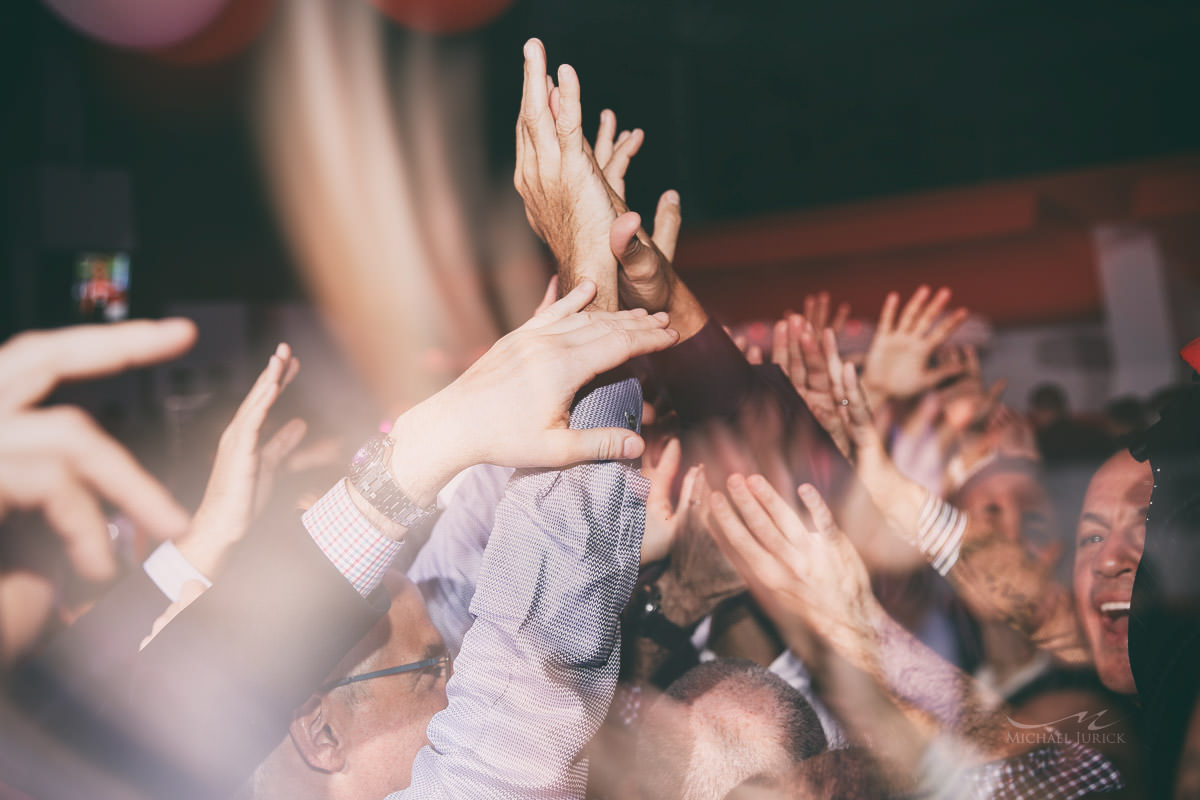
{"x":568,"y":202}
{"x":897,"y":365}
{"x":243,"y":471}
{"x":816,"y":311}
{"x":512,"y":406}
{"x":663,"y":518}
{"x":805,"y":574}
{"x":698,"y":576}
{"x":57,"y":460}
{"x":807,"y":362}
{"x":613,"y":156}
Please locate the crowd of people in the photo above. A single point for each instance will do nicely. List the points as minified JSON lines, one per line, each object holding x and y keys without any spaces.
{"x":622,"y":555}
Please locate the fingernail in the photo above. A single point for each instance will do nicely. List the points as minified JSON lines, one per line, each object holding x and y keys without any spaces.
{"x":632,"y":447}
{"x":757,"y":482}
{"x":672,"y":196}
{"x":530,"y":49}
{"x":661,"y":316}
{"x":736,"y":481}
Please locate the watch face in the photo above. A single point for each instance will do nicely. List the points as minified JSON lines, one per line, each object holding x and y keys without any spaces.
{"x":371,"y":450}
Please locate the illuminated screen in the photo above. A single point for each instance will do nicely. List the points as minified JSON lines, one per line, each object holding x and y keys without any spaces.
{"x":101,"y":287}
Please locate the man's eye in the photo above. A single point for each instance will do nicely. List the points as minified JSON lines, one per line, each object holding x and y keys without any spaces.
{"x":1090,"y":538}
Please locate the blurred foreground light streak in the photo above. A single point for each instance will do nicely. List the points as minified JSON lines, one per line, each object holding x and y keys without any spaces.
{"x":365,"y":191}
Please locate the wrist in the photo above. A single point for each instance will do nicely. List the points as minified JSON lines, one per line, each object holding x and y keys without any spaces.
{"x":686,"y":313}
{"x":426,"y":452}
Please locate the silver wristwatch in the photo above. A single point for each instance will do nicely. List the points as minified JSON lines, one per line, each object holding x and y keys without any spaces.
{"x":369,"y":474}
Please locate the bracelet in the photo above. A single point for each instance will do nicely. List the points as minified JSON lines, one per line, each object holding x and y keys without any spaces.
{"x":940,"y":532}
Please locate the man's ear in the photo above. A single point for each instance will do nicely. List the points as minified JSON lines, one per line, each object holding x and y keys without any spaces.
{"x":316,"y":736}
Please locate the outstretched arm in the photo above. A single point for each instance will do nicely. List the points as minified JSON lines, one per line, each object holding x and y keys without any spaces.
{"x":997,"y":577}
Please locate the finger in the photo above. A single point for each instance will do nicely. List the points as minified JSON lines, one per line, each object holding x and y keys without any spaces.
{"x":833,"y":363}
{"x":821,"y":316}
{"x":754,"y":354}
{"x":971,"y":356}
{"x":761,"y":523}
{"x":618,"y":164}
{"x":931,"y":312}
{"x":570,"y":303}
{"x":535,"y":95}
{"x":668,"y":463}
{"x":639,"y":259}
{"x":555,"y":99}
{"x":783,"y":517}
{"x":946,"y":328}
{"x":293,"y":369}
{"x":799,"y":370}
{"x":859,"y":413}
{"x":689,"y":490}
{"x":822,"y":517}
{"x":73,"y":512}
{"x":568,"y":122}
{"x":668,"y":217}
{"x":257,"y":403}
{"x":32,"y":364}
{"x":604,"y":137}
{"x":610,"y":351}
{"x":887,"y":314}
{"x":810,"y":307}
{"x":745,"y":552}
{"x":591,"y":444}
{"x":908,"y":316}
{"x":583,"y":328}
{"x":779,"y":346}
{"x":104,"y":465}
{"x":840,"y":317}
{"x":817,"y":371}
{"x":282,"y":443}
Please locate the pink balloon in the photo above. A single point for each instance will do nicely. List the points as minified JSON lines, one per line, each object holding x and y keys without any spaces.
{"x":138,"y":23}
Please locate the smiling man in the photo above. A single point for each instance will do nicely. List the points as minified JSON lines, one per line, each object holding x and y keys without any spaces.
{"x":1112,"y":535}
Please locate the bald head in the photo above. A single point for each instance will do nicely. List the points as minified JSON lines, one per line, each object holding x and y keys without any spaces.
{"x":721,"y":723}
{"x":359,"y":739}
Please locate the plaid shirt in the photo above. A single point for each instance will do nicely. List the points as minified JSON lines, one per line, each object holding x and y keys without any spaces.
{"x":538,"y":667}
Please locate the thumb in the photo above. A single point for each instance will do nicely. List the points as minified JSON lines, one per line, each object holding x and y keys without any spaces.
{"x":637,"y":259}
{"x":596,"y":444}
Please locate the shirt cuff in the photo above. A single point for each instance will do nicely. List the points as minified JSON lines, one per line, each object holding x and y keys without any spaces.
{"x":359,"y":551}
{"x":170,"y":570}
{"x":613,"y":405}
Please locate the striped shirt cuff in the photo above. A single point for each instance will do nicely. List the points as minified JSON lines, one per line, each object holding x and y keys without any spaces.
{"x":360,"y":552}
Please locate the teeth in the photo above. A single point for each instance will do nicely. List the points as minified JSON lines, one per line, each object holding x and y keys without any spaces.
{"x":1112,"y":606}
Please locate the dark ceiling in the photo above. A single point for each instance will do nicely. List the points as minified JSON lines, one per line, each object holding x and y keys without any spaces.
{"x":750,"y":106}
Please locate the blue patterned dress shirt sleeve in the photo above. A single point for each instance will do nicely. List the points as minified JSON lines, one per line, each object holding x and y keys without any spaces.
{"x":538,"y":667}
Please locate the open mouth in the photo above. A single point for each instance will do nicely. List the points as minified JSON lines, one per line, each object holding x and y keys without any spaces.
{"x":1114,"y":623}
{"x":1115,"y":609}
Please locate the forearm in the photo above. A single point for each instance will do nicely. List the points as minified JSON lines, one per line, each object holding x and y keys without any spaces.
{"x":539,"y":665}
{"x":934,"y":694}
{"x":997,"y":578}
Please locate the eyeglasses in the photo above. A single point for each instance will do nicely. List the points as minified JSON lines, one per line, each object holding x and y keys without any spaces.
{"x":442,"y":663}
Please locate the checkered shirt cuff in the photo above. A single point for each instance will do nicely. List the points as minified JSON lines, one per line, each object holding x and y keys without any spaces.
{"x":1062,"y":771}
{"x":360,"y":552}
